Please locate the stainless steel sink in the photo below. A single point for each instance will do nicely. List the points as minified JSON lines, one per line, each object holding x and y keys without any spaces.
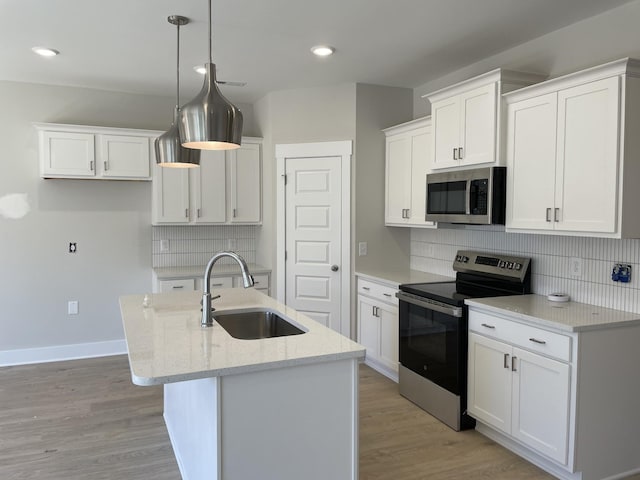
{"x":255,"y":324}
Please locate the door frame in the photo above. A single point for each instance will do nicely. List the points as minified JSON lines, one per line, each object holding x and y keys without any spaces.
{"x":342,"y":149}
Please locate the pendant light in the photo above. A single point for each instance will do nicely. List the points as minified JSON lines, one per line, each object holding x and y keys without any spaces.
{"x":210,"y":121}
{"x":169,"y":149}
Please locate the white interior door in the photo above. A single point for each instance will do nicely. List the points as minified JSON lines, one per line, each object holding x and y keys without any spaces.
{"x":314,"y":231}
{"x":313,"y":259}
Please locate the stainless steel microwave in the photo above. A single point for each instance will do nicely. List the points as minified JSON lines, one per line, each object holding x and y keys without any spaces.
{"x":476,"y":196}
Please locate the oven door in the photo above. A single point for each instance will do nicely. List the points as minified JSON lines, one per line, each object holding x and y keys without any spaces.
{"x":433,"y":339}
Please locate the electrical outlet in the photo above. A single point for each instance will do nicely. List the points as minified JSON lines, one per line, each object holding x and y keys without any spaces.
{"x":73,"y":247}
{"x":164,"y":245}
{"x":575,"y":267}
{"x":72,"y":307}
{"x":362,"y":249}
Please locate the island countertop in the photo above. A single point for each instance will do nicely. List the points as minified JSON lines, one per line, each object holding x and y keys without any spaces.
{"x":167,"y":344}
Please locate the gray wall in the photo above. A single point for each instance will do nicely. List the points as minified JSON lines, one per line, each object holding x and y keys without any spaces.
{"x":605,"y":37}
{"x":109,"y":220}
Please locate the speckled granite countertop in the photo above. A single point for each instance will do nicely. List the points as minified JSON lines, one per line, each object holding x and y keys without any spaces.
{"x":395,"y":278}
{"x":220,"y":270}
{"x":167,"y":344}
{"x":566,"y":317}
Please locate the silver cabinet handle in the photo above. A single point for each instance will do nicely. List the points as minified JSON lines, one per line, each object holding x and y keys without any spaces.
{"x":506,"y":360}
{"x":513,"y":364}
{"x":91,"y":165}
{"x":556,"y":214}
{"x":548,"y":217}
{"x":198,"y":212}
{"x":186,"y":212}
{"x":106,"y":165}
{"x":460,"y":153}
{"x":334,"y":268}
{"x":234,"y":213}
{"x":177,"y":287}
{"x":455,"y":152}
{"x":486,"y":325}
{"x":387,"y":295}
{"x":366,"y":288}
{"x":539,"y":342}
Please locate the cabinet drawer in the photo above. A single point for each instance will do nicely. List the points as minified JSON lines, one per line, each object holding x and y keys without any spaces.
{"x":384,"y":293}
{"x":535,"y":339}
{"x":260,"y":281}
{"x":221,"y":282}
{"x":182,"y":285}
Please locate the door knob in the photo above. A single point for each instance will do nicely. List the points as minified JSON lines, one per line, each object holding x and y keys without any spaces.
{"x":334,"y":268}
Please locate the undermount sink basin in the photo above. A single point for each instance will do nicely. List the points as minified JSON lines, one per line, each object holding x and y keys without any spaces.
{"x":255,"y":324}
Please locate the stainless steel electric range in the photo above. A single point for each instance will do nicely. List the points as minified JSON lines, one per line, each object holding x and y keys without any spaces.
{"x":433,"y":330}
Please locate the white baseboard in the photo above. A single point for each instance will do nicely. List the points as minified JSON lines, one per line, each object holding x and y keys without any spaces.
{"x":62,"y":352}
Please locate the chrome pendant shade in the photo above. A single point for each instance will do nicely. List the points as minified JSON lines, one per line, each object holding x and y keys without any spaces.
{"x":168,"y":146}
{"x":210,"y":121}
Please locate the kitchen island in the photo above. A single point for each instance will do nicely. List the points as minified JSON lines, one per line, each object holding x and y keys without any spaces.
{"x":272,"y":408}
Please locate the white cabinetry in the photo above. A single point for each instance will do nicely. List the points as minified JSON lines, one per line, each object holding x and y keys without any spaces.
{"x":84,"y":152}
{"x":408,"y":149}
{"x":566,"y":144}
{"x":261,"y":282}
{"x":560,"y":398}
{"x":226,"y":188}
{"x":179,"y":285}
{"x":466,"y":118}
{"x":378,"y":326}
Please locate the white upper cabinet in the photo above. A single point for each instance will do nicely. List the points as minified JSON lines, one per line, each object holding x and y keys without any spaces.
{"x":408,"y":151}
{"x":77,"y":151}
{"x":466,"y":119}
{"x":566,"y":144}
{"x":226,"y":188}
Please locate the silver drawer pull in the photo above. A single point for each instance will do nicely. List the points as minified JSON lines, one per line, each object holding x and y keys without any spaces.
{"x":366,"y":288}
{"x":387,"y":294}
{"x":535,"y":340}
{"x":513,"y":364}
{"x":217,"y":284}
{"x":177,"y":287}
{"x":488,"y":326}
{"x":506,"y":360}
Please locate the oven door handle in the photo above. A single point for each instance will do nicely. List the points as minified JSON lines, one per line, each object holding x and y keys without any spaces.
{"x":436,"y":306}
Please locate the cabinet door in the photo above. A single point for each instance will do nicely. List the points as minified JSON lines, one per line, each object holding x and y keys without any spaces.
{"x":124,"y":156}
{"x":587,"y":167}
{"x":540,"y":398}
{"x":478,"y":125}
{"x":246,"y":184}
{"x":445,"y":115}
{"x":489,"y":382}
{"x":398,"y":178}
{"x":531,"y":160}
{"x":389,"y":336}
{"x":67,"y":154}
{"x":368,"y":327}
{"x":170,"y":195}
{"x":208,"y":188}
{"x":420,"y":166}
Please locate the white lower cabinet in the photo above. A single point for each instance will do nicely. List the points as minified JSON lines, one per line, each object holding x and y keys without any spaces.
{"x":179,"y":285}
{"x":562,"y":397}
{"x":378,"y":326}
{"x":520,"y":393}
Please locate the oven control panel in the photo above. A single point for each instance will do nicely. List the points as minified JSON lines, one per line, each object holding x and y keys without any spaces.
{"x":496,"y":264}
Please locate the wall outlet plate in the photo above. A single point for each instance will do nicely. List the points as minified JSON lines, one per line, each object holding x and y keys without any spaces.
{"x":621,"y":272}
{"x":72,"y":307}
{"x":164,"y":245}
{"x":575,"y":267}
{"x":362,"y":249}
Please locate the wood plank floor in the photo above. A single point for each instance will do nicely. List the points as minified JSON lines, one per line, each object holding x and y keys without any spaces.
{"x":84,"y":419}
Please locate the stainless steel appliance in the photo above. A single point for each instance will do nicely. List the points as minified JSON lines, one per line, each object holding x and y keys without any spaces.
{"x":475,"y":196}
{"x":433,"y":330}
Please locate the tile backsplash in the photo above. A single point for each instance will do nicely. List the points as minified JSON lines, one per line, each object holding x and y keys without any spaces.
{"x":194,"y":245}
{"x":433,"y":251}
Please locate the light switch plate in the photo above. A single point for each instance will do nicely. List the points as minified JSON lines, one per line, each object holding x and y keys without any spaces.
{"x":575,"y":267}
{"x":362,"y":249}
{"x":72,"y":307}
{"x":164,"y":245}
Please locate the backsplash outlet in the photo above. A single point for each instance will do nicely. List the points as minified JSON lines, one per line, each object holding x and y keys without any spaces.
{"x":433,"y":251}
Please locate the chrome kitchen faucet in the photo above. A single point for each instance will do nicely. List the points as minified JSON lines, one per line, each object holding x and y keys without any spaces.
{"x":247,"y":281}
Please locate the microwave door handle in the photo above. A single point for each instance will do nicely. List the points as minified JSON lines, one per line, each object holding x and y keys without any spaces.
{"x":468,"y":197}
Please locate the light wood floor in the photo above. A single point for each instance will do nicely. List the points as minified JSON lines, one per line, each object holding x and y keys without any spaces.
{"x":84,"y":419}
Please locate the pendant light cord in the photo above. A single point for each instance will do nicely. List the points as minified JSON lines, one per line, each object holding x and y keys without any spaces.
{"x":210,"y":38}
{"x":178,"y":68}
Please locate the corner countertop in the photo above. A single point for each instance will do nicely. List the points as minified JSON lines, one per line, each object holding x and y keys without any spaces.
{"x":167,"y":344}
{"x":174,"y":273}
{"x":395,"y":278}
{"x":536,"y":310}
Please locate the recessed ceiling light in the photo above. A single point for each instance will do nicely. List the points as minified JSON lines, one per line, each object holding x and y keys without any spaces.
{"x":323,"y":50}
{"x":200,"y":69}
{"x":45,"y":51}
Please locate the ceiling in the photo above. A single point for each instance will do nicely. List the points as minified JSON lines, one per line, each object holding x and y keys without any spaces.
{"x":128,"y":45}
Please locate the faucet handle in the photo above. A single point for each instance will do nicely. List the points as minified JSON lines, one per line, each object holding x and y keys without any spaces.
{"x":215,"y":296}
